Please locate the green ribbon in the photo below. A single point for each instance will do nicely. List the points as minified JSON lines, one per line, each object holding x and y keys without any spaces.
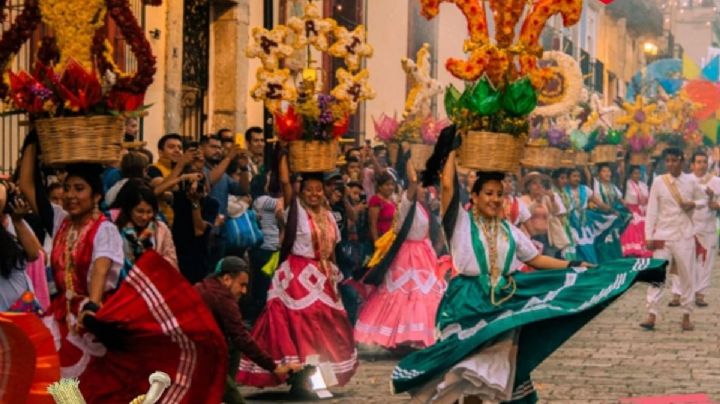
{"x":479,"y":250}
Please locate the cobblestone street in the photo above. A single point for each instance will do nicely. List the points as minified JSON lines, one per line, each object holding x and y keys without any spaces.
{"x":611,"y":358}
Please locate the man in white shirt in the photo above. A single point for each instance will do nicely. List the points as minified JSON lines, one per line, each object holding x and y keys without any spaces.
{"x":670,"y":234}
{"x":705,"y":223}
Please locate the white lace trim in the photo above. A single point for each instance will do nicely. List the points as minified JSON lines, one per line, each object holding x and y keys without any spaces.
{"x":400,"y":329}
{"x":412,"y":274}
{"x":311,"y":279}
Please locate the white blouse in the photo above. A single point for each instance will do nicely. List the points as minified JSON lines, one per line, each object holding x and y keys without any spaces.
{"x":464,"y":255}
{"x":636,"y":191}
{"x":421,"y":222}
{"x":303,"y":239}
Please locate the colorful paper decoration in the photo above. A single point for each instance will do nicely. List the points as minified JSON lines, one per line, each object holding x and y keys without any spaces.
{"x":351,"y":46}
{"x":424,"y":87}
{"x":352,"y":88}
{"x":312,"y":29}
{"x":269,"y":46}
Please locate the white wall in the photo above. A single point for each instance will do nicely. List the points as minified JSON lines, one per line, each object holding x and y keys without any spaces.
{"x":387,"y":25}
{"x":254,"y":108}
{"x":154,"y":124}
{"x":452,"y":32}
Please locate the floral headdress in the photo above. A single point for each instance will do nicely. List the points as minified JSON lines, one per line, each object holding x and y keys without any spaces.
{"x":503,"y":74}
{"x":74,"y":73}
{"x":289,"y":85}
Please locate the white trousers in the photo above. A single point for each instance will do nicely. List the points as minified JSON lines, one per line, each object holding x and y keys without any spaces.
{"x":704,"y":263}
{"x":681,"y":255}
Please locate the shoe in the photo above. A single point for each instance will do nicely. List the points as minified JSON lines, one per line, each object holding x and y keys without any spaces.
{"x":648,"y":326}
{"x":688,"y":326}
{"x":674,"y":303}
{"x":700,"y":302}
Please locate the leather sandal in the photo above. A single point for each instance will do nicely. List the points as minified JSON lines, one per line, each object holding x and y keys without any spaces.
{"x":674,"y":303}
{"x":649,"y":326}
{"x":700,"y":302}
{"x":688,"y":326}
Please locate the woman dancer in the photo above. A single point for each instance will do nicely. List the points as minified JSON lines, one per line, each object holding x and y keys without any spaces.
{"x":610,"y":226}
{"x":543,"y":205}
{"x":636,"y":199}
{"x":481,"y":352}
{"x":110,"y":335}
{"x":401,"y":312}
{"x":304,"y":317}
{"x":582,"y":227}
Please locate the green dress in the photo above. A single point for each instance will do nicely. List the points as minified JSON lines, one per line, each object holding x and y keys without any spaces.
{"x":494,"y":333}
{"x":607,"y":245}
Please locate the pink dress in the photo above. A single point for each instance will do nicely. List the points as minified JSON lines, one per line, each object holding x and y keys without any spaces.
{"x":402,"y":310}
{"x":633,"y":238}
{"x":387,"y":213}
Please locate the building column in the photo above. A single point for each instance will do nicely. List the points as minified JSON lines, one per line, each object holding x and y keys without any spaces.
{"x":229,"y":65}
{"x":173,"y":67}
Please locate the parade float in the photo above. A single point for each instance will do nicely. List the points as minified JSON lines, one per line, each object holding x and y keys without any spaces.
{"x":76,"y":96}
{"x":310,"y":119}
{"x":502,"y":77}
{"x":418,"y":129}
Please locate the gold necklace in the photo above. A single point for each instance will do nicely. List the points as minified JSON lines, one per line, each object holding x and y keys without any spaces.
{"x":490,"y":232}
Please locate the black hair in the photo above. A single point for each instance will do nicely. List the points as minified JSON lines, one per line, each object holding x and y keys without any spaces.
{"x":131,"y":194}
{"x":698,"y":153}
{"x":354,"y":184}
{"x":221,"y":131}
{"x":250,"y":131}
{"x":148,"y":154}
{"x":351,"y":159}
{"x":207,"y":138}
{"x":350,"y":150}
{"x":383,"y":177}
{"x":311,"y":177}
{"x":165,"y":138}
{"x":633,"y":168}
{"x":88,"y":172}
{"x":191,"y":145}
{"x":53,"y":186}
{"x":12,"y":255}
{"x":603,"y":165}
{"x":557,"y":173}
{"x":485,"y":177}
{"x":133,"y":165}
{"x":674,"y":151}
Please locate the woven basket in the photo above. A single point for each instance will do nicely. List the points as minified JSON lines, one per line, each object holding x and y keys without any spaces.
{"x":488,"y":151}
{"x":419,"y":155}
{"x":81,"y":139}
{"x":313,"y":156}
{"x":582,"y":158}
{"x":605,"y":153}
{"x":639,"y":159}
{"x":542,"y":157}
{"x":568,"y":159}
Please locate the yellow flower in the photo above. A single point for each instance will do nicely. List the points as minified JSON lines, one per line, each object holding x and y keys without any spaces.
{"x":640,"y":118}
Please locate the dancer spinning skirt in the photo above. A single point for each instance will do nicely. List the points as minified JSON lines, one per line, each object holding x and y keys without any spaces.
{"x":304,"y":315}
{"x":496,"y":325}
{"x":609,"y":226}
{"x":401,"y":311}
{"x":636,"y":199}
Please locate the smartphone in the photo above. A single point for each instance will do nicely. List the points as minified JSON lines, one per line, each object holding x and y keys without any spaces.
{"x":240,"y":140}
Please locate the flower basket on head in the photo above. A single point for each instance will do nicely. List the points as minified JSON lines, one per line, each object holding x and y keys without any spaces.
{"x":542,"y":157}
{"x":639,"y":159}
{"x":313,"y":156}
{"x":81,"y":139}
{"x":489,"y":151}
{"x":419,"y":155}
{"x":604,"y":153}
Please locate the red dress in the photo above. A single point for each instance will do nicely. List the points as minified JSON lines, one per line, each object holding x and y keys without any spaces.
{"x":167,"y":327}
{"x":304,"y":318}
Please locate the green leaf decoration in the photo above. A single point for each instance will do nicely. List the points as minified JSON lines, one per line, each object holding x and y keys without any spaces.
{"x":520,"y":98}
{"x":485,"y":99}
{"x":452,"y":100}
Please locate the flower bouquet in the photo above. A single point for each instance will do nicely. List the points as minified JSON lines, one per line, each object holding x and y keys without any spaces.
{"x":418,"y":128}
{"x":641,"y":118}
{"x":75,"y":96}
{"x":311,"y":119}
{"x":502,"y":77}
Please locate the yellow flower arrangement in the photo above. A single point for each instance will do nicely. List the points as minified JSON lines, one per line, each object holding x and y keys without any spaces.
{"x":640,"y":118}
{"x":74,"y":23}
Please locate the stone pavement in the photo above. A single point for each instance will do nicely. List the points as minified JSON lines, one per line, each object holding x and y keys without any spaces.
{"x":611,"y":358}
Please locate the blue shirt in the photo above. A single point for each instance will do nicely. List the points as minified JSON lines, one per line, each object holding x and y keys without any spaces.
{"x":222,"y":189}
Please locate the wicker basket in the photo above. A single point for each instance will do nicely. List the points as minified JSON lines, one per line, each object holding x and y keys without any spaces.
{"x":582,"y":158}
{"x":639,"y":159}
{"x":419,"y":155}
{"x":606,"y":153}
{"x":568,"y":159}
{"x":313,"y":156}
{"x":542,"y":157}
{"x":81,"y":139}
{"x":488,"y":151}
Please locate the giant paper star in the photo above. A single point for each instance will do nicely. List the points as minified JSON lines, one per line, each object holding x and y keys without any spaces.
{"x":351,"y":46}
{"x":272,"y":87}
{"x":269,"y":46}
{"x":639,"y":117}
{"x":424,"y":87}
{"x":312,"y":28}
{"x":352,"y":89}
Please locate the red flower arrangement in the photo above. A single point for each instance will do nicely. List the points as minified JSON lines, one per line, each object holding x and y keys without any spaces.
{"x":77,"y":90}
